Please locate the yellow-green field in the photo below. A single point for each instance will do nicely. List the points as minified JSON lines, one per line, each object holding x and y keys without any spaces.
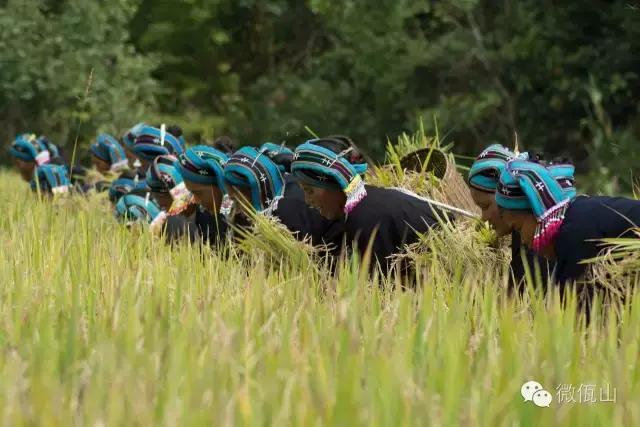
{"x":103,"y":326}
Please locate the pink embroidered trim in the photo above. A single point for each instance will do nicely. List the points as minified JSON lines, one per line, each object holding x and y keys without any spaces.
{"x":549,"y":226}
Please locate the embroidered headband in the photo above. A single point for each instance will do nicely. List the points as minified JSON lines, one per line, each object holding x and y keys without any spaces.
{"x":164,"y":177}
{"x":108,"y":148}
{"x":489,"y":165}
{"x":321,"y":167}
{"x":204,"y":165}
{"x":151,"y":142}
{"x":129,"y":138}
{"x":123,"y":186}
{"x":51,"y":178}
{"x":53,"y":149}
{"x":133,"y":208}
{"x":546,"y":191}
{"x":251,"y":169}
{"x":28,"y":148}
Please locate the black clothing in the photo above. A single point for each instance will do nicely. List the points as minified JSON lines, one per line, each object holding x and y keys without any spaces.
{"x":589,"y":218}
{"x":77,"y":174}
{"x":177,"y":227}
{"x":518,"y":275}
{"x":211,"y":229}
{"x":304,"y":221}
{"x":200,"y":225}
{"x":394,"y":217}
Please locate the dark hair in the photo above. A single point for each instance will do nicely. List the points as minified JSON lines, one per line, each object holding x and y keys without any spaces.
{"x":174,"y":130}
{"x":225,"y":144}
{"x":284,"y":160}
{"x":339,"y":144}
{"x":561,"y":160}
{"x":539,"y":157}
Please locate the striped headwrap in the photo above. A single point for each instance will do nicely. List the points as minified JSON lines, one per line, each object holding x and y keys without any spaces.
{"x":129,"y":138}
{"x":122,"y":186}
{"x":204,"y":165}
{"x":321,"y":167}
{"x":151,"y":142}
{"x":164,"y":177}
{"x":108,"y":148}
{"x":53,"y":148}
{"x":488,"y":166}
{"x":28,"y":148}
{"x":51,"y":178}
{"x":251,"y":169}
{"x":546,"y":191}
{"x":133,"y":208}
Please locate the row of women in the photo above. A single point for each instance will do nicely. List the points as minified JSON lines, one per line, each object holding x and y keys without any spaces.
{"x":317,"y":191}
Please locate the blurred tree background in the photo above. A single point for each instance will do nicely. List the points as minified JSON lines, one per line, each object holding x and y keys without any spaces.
{"x":68,"y":69}
{"x":564,"y":75}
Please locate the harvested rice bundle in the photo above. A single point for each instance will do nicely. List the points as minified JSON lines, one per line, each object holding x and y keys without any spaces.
{"x":269,"y":237}
{"x":617,"y":269}
{"x":461,"y":250}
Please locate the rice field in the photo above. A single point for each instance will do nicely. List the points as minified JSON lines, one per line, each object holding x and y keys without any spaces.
{"x":102,"y":326}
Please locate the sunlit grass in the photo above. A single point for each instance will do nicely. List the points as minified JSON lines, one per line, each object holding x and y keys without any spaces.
{"x":104,"y":326}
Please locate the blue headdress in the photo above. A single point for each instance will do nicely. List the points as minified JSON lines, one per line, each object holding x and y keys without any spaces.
{"x":151,"y":142}
{"x":204,"y":165}
{"x":251,"y":169}
{"x":28,"y":148}
{"x":129,"y":138}
{"x":108,"y":148}
{"x":164,"y":177}
{"x":51,"y":178}
{"x":546,"y":191}
{"x":488,"y":166}
{"x":51,"y":147}
{"x":321,"y":167}
{"x":123,"y":185}
{"x":132,"y":208}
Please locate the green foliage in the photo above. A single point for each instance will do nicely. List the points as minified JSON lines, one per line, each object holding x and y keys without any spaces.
{"x":102,"y":325}
{"x":563,"y":75}
{"x":67,"y":69}
{"x":270,"y":68}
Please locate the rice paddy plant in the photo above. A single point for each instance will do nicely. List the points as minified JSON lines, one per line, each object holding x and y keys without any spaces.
{"x":102,"y":325}
{"x":269,"y":239}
